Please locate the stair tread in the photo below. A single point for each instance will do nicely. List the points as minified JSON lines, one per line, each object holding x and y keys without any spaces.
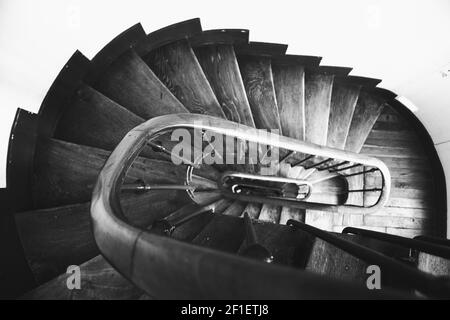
{"x":235,"y":209}
{"x":94,"y":120}
{"x":343,"y":102}
{"x":253,"y":210}
{"x":366,"y":113}
{"x":318,"y":88}
{"x":222,"y":70}
{"x":60,"y":92}
{"x":57,"y":237}
{"x":288,"y":247}
{"x":66,"y":173}
{"x":177,"y":67}
{"x":223,"y":233}
{"x":111,"y":51}
{"x":289,"y":83}
{"x":190,"y":229}
{"x":329,"y":260}
{"x":318,"y":101}
{"x":132,"y":84}
{"x":270,"y":213}
{"x":433,"y":264}
{"x":289,"y":213}
{"x":99,"y":281}
{"x":258,"y":81}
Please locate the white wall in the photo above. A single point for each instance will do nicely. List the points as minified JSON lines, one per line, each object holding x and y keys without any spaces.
{"x":405,"y":43}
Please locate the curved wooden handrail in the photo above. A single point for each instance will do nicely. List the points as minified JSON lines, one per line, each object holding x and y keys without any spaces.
{"x":168,"y":268}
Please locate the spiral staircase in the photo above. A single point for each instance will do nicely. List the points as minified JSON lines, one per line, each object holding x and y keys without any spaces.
{"x":375,"y":190}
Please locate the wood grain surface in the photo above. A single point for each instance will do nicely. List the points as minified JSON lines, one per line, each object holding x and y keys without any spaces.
{"x":177,"y":67}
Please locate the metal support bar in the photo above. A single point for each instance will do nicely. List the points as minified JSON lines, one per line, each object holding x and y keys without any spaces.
{"x":333,"y":166}
{"x":168,"y":152}
{"x":171,"y":222}
{"x":348,"y":167}
{"x":361,"y":172}
{"x":290,"y":153}
{"x":301,"y":161}
{"x":319,"y":163}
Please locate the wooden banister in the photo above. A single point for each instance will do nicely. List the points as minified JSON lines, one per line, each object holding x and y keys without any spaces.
{"x":168,"y":268}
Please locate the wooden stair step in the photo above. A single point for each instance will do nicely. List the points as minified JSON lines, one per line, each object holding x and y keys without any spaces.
{"x":141,"y":209}
{"x":288,"y":247}
{"x":289,"y":83}
{"x":236,"y":209}
{"x":207,"y":197}
{"x":224,"y":233}
{"x":190,"y":229}
{"x":318,"y":93}
{"x":99,"y":281}
{"x":132,"y":84}
{"x":435,"y":265}
{"x":366,"y":113}
{"x":343,"y":102}
{"x":15,"y":274}
{"x":270,"y":213}
{"x":60,"y":92}
{"x":289,"y":213}
{"x":258,"y":81}
{"x":58,"y":237}
{"x":114,"y":49}
{"x":253,"y":210}
{"x":222,"y":70}
{"x":66,"y":172}
{"x":178,"y":68}
{"x":329,"y":260}
{"x":169,"y":34}
{"x":94,"y":120}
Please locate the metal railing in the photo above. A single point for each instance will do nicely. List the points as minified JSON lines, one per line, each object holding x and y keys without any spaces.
{"x":414,"y":244}
{"x":438,"y":287}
